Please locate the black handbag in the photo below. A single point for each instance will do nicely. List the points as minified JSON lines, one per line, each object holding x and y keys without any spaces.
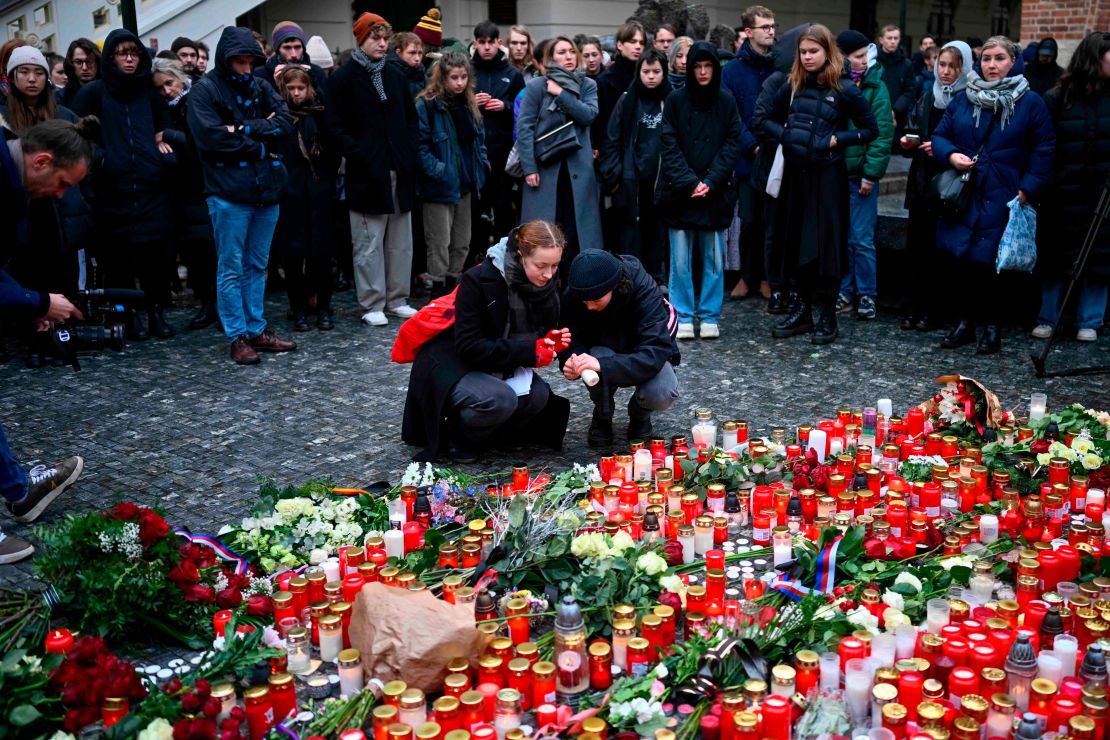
{"x":950,"y":192}
{"x":556,"y":144}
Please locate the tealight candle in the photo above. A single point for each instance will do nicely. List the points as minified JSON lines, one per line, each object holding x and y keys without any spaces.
{"x":59,"y":641}
{"x":1038,"y":404}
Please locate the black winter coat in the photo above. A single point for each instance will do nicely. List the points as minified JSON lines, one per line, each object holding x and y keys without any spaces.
{"x":923,"y":120}
{"x":900,"y":81}
{"x":635,"y":325}
{"x":415,"y":77}
{"x":502,"y":81}
{"x":611,"y":84}
{"x":131,"y":187}
{"x":315,"y":72}
{"x":193,"y":221}
{"x":240,"y":166}
{"x":1079,"y":175}
{"x":305,"y":227}
{"x":701,"y":141}
{"x":476,"y":342}
{"x":375,"y":137}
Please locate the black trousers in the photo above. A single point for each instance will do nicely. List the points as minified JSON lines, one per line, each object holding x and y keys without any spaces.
{"x":306,"y":277}
{"x":147,"y":262}
{"x":753,"y":234}
{"x":199,"y":256}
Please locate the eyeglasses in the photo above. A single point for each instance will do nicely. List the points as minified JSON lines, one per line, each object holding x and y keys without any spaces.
{"x":767,"y":28}
{"x":86,"y":62}
{"x":126,"y":55}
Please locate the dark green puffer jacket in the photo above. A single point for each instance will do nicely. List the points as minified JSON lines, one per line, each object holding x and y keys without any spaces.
{"x":870,"y":160}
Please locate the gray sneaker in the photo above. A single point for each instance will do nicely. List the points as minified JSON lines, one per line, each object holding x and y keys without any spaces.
{"x":46,"y":485}
{"x":13,"y":549}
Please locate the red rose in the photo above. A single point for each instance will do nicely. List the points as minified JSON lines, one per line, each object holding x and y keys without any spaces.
{"x":184,"y":574}
{"x":198,"y":594}
{"x":173,"y":686}
{"x":875,"y":549}
{"x":821,"y":479}
{"x":238,"y":581}
{"x":191,"y":703}
{"x":672,"y":600}
{"x":672,"y":551}
{"x":152,"y":528}
{"x":212,"y":707}
{"x":229,"y":598}
{"x":124,"y":511}
{"x":259,"y":605}
{"x":802,"y":481}
{"x":203,"y":688}
{"x":230,"y":734}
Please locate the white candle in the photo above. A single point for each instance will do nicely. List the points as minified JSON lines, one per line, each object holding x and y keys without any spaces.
{"x":830,"y":671}
{"x":331,"y":642}
{"x":936,"y":614}
{"x":620,"y":650}
{"x":988,"y":528}
{"x":331,"y":569}
{"x":784,"y":553}
{"x":350,"y":680}
{"x":884,"y":407}
{"x":884,"y":649}
{"x":641,"y":465}
{"x":1038,"y":404}
{"x":705,"y":435}
{"x":590,"y":377}
{"x":703,"y":540}
{"x":1050,"y":667}
{"x":906,"y":637}
{"x":857,"y":689}
{"x":394,"y":543}
{"x":687,"y":542}
{"x":817,"y":443}
{"x":730,"y":438}
{"x":627,"y":467}
{"x":1065,"y":648}
{"x":836,"y":446}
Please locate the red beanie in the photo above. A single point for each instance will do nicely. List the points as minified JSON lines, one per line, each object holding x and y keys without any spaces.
{"x":366,"y":23}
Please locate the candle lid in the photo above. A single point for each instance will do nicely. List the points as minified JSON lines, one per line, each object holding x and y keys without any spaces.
{"x":894,"y":711}
{"x":349,"y":658}
{"x":385,"y":712}
{"x":412,"y":699}
{"x":472,"y":699}
{"x":600,"y":650}
{"x":456,"y":681}
{"x":519,"y":665}
{"x":394,"y":688}
{"x":457,"y":735}
{"x":543,"y":668}
{"x":428,"y":731}
{"x":400,"y":730}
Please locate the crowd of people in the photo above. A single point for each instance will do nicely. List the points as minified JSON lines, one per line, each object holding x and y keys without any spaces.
{"x":581,"y":203}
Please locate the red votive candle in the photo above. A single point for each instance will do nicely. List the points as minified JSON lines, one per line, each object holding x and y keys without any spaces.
{"x":910,"y":689}
{"x":220,"y":620}
{"x":962,"y":681}
{"x":776,"y":718}
{"x":545,"y":715}
{"x":352,"y":585}
{"x":983,"y":656}
{"x":710,"y":727}
{"x":958,"y":650}
{"x":715,"y":560}
{"x":1034,"y":615}
{"x":59,"y":641}
{"x":850,"y":647}
{"x":489,"y":695}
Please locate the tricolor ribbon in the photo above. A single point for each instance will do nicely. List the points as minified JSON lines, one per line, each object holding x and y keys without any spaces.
{"x":825,"y":577}
{"x":223,"y":552}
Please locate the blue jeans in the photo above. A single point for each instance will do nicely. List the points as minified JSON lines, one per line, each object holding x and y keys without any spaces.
{"x":13,"y":479}
{"x":863,"y":214}
{"x":1092,"y":303}
{"x":243,"y":235}
{"x":681,"y":286}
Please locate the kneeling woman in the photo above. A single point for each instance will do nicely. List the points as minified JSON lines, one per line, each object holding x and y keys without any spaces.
{"x":475,"y":383}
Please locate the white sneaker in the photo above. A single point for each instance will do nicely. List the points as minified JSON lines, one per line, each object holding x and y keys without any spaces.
{"x":1087,"y":335}
{"x":375,"y":318}
{"x":709,"y":331}
{"x":1042,"y":331}
{"x":404,"y":311}
{"x":685,"y":331}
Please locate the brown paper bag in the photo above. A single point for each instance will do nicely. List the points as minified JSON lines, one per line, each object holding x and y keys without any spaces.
{"x":411,"y":635}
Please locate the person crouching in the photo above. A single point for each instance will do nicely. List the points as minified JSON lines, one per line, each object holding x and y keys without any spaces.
{"x":623,"y":330}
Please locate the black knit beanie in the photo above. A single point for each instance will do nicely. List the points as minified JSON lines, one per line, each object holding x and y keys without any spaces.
{"x":851,"y":41}
{"x":593,"y":273}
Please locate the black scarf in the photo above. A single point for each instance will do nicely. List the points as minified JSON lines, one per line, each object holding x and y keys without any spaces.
{"x":652,"y":94}
{"x":488,"y":65}
{"x":465,"y":127}
{"x":528,"y":303}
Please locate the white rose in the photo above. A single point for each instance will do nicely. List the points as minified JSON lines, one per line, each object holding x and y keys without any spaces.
{"x":864,"y":619}
{"x":1092,"y":461}
{"x":621,"y":542}
{"x":651,"y":564}
{"x":661,"y":671}
{"x":910,"y":579}
{"x":671,"y":583}
{"x":952,"y":562}
{"x":1082,"y":444}
{"x":893,"y":618}
{"x":895,"y":600}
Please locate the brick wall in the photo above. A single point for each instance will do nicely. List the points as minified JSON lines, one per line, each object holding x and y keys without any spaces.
{"x":1068,"y":21}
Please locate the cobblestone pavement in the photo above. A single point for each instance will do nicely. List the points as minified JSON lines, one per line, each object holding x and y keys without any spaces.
{"x":176,"y":424}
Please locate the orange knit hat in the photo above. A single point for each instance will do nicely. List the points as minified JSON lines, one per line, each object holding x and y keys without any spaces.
{"x":366,"y":23}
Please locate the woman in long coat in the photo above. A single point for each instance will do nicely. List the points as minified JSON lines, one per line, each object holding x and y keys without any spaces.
{"x":564,"y":190}
{"x":1016,"y":161}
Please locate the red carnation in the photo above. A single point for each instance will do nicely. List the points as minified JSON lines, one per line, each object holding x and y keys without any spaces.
{"x":212,"y":707}
{"x":259,"y":605}
{"x":229,"y":598}
{"x":124,"y":511}
{"x":198,"y":594}
{"x":672,"y":551}
{"x":184,"y":574}
{"x":191,"y":703}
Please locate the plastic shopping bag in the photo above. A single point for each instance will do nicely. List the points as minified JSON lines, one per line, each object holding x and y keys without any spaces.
{"x":1018,"y":249}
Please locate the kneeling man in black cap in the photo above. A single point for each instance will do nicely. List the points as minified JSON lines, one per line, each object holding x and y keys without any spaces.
{"x":622,"y":330}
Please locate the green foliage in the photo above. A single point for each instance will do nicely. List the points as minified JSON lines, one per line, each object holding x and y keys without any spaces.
{"x":27,"y":707}
{"x":721,"y":468}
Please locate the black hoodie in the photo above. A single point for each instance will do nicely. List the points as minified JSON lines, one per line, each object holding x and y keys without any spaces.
{"x":1042,"y":76}
{"x":899,"y":79}
{"x":237,"y":164}
{"x":611,"y":84}
{"x":701,"y":141}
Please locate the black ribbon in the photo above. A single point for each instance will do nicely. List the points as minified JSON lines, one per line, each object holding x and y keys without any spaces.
{"x":704,"y":684}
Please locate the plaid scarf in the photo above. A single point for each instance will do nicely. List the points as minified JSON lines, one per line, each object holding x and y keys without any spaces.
{"x":374,"y":68}
{"x":1000,"y":96}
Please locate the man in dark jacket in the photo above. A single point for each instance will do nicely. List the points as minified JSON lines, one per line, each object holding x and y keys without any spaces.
{"x":1042,"y":71}
{"x":49,"y":158}
{"x":132,"y":201}
{"x":82,"y":66}
{"x":621,"y":331}
{"x":744,"y":78}
{"x":497,"y":83}
{"x":898,"y":76}
{"x":236,"y":119}
{"x":186,"y":50}
{"x":288,"y":42}
{"x":373,"y":121}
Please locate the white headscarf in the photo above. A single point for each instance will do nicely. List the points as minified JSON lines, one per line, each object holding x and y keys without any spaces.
{"x":943,"y":94}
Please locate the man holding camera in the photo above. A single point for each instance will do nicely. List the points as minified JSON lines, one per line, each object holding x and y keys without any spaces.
{"x":49,"y":158}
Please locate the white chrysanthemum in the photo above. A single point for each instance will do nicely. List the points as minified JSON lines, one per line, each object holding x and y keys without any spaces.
{"x":159,"y":729}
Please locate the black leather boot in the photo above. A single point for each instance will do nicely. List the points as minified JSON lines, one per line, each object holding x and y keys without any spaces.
{"x":961,"y":334}
{"x":991,"y":341}
{"x":205,"y":316}
{"x":159,"y":327}
{"x":825,"y":330}
{"x":300,"y":321}
{"x":777,"y":303}
{"x":135,"y":329}
{"x":800,"y":321}
{"x":325,"y":321}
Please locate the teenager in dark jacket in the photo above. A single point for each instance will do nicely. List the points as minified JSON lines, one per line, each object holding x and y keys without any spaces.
{"x":744,"y":78}
{"x":921,"y":308}
{"x":237,"y":121}
{"x":132,"y":200}
{"x":406,"y":54}
{"x":476,"y":383}
{"x":453,"y":166}
{"x":898,"y":74}
{"x":630,"y":161}
{"x":304,"y":238}
{"x":810,"y":114}
{"x":496,"y":85}
{"x":617,"y":77}
{"x":676,"y":61}
{"x":623,"y":330}
{"x":82,"y":66}
{"x":1042,"y":71}
{"x":867,"y":164}
{"x":1080,"y":108}
{"x":999,"y":112}
{"x":289,"y":45}
{"x":374,"y":122}
{"x":193,"y":232}
{"x":695,"y":193}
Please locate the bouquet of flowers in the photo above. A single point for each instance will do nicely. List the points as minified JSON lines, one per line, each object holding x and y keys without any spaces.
{"x":89,"y":674}
{"x":203,"y":581}
{"x":293,"y":526}
{"x":129,"y":591}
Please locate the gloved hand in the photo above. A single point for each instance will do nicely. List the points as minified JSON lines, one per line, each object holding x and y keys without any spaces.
{"x":545,"y":352}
